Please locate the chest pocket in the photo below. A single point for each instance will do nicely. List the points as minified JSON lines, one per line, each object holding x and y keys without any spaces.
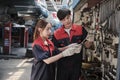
{"x":77,"y":39}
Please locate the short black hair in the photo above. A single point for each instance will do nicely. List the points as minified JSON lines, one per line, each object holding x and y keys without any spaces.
{"x":62,"y":13}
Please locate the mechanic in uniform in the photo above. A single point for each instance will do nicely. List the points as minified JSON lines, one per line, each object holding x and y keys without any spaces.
{"x":45,"y":54}
{"x":69,"y":68}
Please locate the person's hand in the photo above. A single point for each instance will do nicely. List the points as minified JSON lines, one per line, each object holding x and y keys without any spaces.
{"x":72,"y":45}
{"x":72,"y":50}
{"x":68,"y":52}
{"x":88,"y":44}
{"x":77,"y":48}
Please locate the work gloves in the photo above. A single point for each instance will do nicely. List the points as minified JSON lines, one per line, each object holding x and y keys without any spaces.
{"x":72,"y":49}
{"x":72,"y":45}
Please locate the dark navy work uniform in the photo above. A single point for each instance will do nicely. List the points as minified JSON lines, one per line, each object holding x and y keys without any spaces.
{"x":69,"y":68}
{"x":41,"y":70}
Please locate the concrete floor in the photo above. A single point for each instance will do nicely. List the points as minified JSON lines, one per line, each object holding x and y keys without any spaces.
{"x":15,"y":69}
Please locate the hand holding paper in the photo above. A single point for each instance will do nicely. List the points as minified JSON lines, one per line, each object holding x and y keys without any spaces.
{"x":72,"y":50}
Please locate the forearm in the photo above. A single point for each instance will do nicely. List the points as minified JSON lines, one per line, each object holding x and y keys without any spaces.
{"x":53,"y":59}
{"x":63,"y":48}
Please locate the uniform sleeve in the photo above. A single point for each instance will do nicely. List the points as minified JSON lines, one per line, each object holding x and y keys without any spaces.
{"x":84,"y":35}
{"x":39,"y":53}
{"x":56,"y":51}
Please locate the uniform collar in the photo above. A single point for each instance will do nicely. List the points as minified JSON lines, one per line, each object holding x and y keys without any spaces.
{"x":72,"y":28}
{"x":41,"y":42}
